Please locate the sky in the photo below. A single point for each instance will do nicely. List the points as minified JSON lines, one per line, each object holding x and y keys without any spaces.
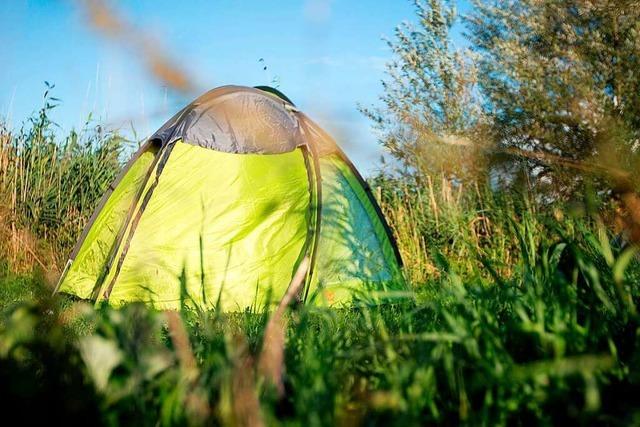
{"x":327,"y":56}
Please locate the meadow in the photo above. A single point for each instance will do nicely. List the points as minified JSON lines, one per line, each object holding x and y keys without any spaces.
{"x":520,"y":312}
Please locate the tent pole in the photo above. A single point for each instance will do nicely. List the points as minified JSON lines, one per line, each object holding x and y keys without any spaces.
{"x":315,"y":186}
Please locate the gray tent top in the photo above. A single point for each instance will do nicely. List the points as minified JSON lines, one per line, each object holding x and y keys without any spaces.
{"x":237,"y":119}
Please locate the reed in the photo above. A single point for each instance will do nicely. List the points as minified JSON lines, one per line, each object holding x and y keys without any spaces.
{"x":49,"y":186}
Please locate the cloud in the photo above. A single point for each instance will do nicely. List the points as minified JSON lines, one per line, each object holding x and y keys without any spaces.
{"x":317,"y":11}
{"x":376,"y":62}
{"x":372,"y":61}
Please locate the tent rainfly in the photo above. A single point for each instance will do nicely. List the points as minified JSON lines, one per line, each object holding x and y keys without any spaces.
{"x":221,"y":205}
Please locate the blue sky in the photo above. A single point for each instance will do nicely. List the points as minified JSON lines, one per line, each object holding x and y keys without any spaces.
{"x":327,"y":56}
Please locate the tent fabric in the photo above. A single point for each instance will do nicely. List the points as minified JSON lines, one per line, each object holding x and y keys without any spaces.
{"x":222,"y":204}
{"x":355,"y":250}
{"x":236,"y":120}
{"x":235,"y":230}
{"x":92,"y":255}
{"x":322,"y":143}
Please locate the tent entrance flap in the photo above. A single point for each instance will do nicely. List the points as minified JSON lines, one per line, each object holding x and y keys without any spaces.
{"x":234,"y":230}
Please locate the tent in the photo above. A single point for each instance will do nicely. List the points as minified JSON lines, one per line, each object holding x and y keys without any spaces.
{"x":223,"y":202}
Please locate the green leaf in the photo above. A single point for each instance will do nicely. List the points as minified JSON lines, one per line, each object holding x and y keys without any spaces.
{"x":622,"y":263}
{"x":101,"y":356}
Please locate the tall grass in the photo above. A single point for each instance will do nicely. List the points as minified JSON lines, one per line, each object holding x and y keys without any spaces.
{"x":49,"y":187}
{"x":550,"y":337}
{"x":436,"y":220}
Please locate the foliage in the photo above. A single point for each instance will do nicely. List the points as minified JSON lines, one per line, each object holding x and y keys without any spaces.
{"x":560,"y":77}
{"x":49,"y":188}
{"x":431,"y":105}
{"x":548,"y":89}
{"x":514,"y":320}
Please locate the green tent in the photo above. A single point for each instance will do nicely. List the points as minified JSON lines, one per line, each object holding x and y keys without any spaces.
{"x":223,"y":202}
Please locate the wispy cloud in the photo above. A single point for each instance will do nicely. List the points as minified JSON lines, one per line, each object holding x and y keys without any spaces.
{"x":317,"y":11}
{"x":375,"y":62}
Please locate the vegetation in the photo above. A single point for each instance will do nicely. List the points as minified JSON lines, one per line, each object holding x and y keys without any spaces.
{"x":544,"y":92}
{"x":519,"y":315}
{"x":49,"y":187}
{"x":524,"y":290}
{"x":515,"y":319}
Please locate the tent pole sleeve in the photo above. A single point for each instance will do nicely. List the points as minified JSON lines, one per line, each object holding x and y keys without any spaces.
{"x":98,"y":209}
{"x":365,"y":185}
{"x":116,"y":244}
{"x":164,"y":156}
{"x":106,"y":196}
{"x":315,"y":186}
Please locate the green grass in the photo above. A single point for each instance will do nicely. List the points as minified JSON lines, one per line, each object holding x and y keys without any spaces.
{"x":49,"y":186}
{"x":520,"y":315}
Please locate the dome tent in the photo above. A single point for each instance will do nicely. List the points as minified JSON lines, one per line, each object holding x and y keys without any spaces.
{"x":223,"y":202}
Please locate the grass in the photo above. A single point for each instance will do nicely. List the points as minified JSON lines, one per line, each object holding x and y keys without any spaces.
{"x":521,"y":315}
{"x":50,"y":187}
